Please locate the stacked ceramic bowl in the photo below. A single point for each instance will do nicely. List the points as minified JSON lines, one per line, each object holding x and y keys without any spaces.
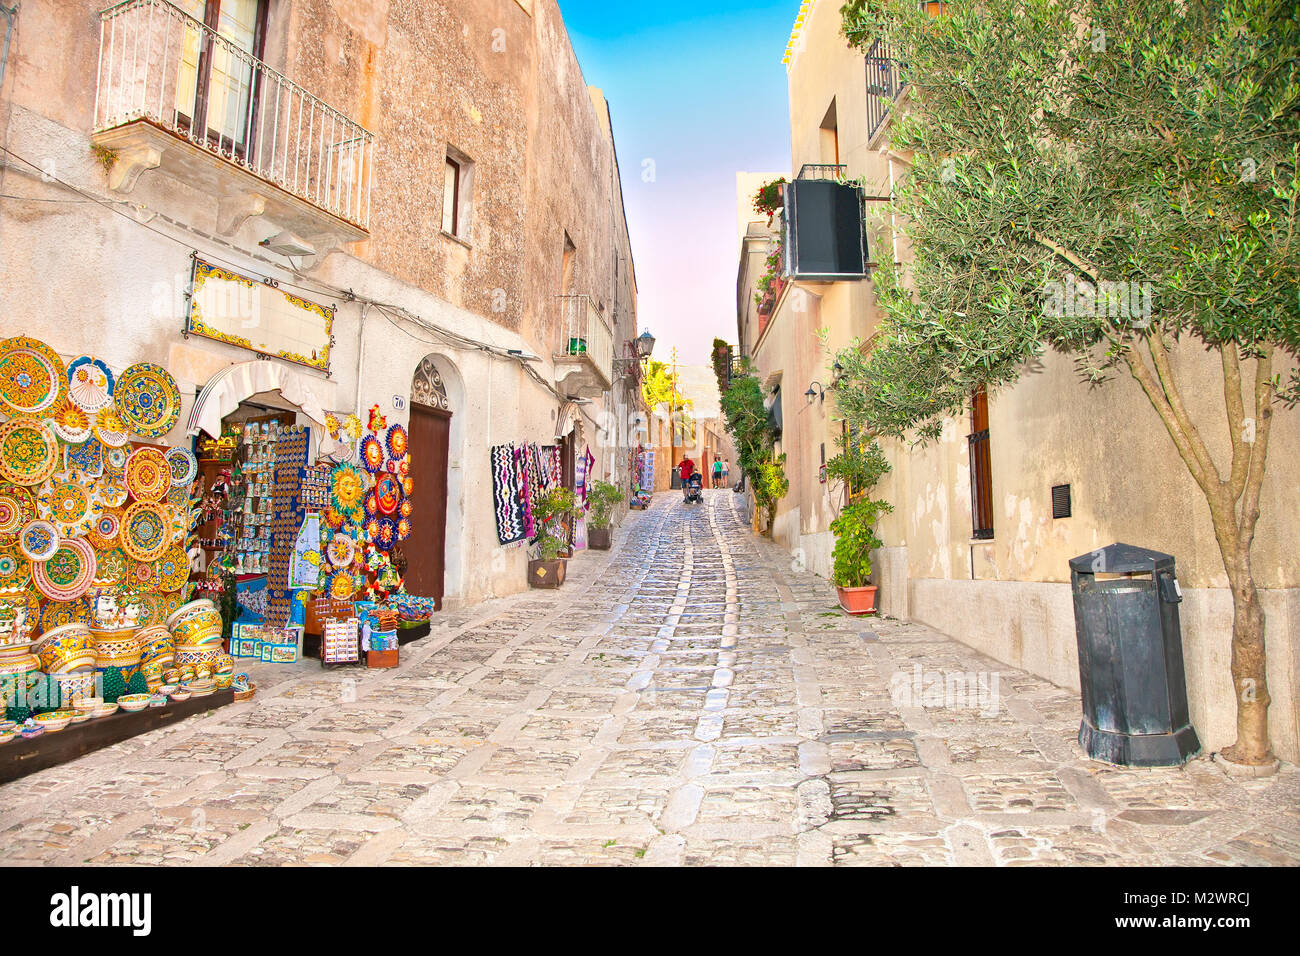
{"x":196,"y":633}
{"x":157,"y":654}
{"x":223,"y":671}
{"x":75,"y":687}
{"x":68,"y":649}
{"x":116,"y":648}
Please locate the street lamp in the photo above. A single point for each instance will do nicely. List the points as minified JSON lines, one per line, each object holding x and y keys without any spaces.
{"x":815,"y":391}
{"x":645,"y":344}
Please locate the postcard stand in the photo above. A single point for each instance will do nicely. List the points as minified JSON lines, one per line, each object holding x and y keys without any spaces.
{"x":340,"y":643}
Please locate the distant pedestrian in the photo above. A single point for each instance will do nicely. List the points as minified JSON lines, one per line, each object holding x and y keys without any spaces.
{"x":717,"y":473}
{"x":725,"y":472}
{"x":686,"y":468}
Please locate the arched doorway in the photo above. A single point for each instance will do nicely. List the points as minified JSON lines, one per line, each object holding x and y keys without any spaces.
{"x":430,"y":442}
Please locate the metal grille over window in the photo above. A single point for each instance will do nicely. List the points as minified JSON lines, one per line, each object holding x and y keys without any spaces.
{"x":427,"y":387}
{"x":1060,"y":501}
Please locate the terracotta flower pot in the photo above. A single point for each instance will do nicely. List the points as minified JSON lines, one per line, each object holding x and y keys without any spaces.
{"x":599,"y":539}
{"x":858,"y":600}
{"x":546,"y":573}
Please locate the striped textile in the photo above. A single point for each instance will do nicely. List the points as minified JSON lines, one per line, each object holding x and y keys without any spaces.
{"x":507,"y":495}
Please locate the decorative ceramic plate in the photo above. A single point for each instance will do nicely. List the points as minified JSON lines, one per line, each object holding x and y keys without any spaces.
{"x":66,"y":575}
{"x":90,"y":384}
{"x":184,"y":467}
{"x":57,"y":613}
{"x":115,"y":461}
{"x":150,"y":608}
{"x":29,"y":452}
{"x":405,"y":509}
{"x":31,"y":376}
{"x":69,"y":500}
{"x":110,"y":567}
{"x":148,"y":400}
{"x":169,"y":604}
{"x":111,"y":428}
{"x":388,"y":494}
{"x":372,"y":454}
{"x":141,"y":576}
{"x":403,"y":528}
{"x":342,"y":586}
{"x":173,"y":569}
{"x":372,"y":505}
{"x":179,"y":519}
{"x":87,"y":457}
{"x":70,"y":423}
{"x":148,"y":475}
{"x":16,"y":509}
{"x":179,"y":497}
{"x":104,"y":529}
{"x":347,"y":490}
{"x":340,"y":550}
{"x":38,"y":540}
{"x":15,"y":570}
{"x":111,"y":492}
{"x":396,"y":442}
{"x":386,"y":536}
{"x":372,"y":529}
{"x":146,"y":531}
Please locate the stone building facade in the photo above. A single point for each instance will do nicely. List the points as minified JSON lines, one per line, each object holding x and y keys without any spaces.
{"x":1004,"y":587}
{"x":438,"y":173}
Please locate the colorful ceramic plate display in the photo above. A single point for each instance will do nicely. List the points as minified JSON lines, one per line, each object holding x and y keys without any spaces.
{"x":396,"y":442}
{"x":146,"y":530}
{"x":388,"y":494}
{"x":386,"y":536}
{"x":372,"y":454}
{"x":342,"y":586}
{"x":69,"y":573}
{"x":15,"y":570}
{"x":68,"y":499}
{"x":110,"y":567}
{"x":148,"y":400}
{"x":148,"y":475}
{"x":90,"y":384}
{"x":173,"y":569}
{"x":70,"y":423}
{"x":115,"y":461}
{"x":104,"y":529}
{"x":31,"y":376}
{"x":340,"y":551}
{"x":141,"y":576}
{"x":29,"y":451}
{"x":17,"y":507}
{"x":86,"y":457}
{"x":38,"y":540}
{"x":184,"y":466}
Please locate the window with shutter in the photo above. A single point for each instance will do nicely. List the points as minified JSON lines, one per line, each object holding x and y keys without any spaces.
{"x":981,"y":470}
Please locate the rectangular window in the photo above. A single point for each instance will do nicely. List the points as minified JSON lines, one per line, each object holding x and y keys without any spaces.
{"x":567,"y":264}
{"x":217,"y":85}
{"x":450,"y":197}
{"x":457,"y":192}
{"x":981,"y":469}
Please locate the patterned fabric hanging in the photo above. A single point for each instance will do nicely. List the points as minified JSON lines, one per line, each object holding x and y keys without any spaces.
{"x":507,"y":495}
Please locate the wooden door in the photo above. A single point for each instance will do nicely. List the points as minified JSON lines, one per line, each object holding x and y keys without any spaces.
{"x":426,"y":549}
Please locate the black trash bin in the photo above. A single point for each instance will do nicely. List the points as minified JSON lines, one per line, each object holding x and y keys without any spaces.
{"x":1131,"y":658}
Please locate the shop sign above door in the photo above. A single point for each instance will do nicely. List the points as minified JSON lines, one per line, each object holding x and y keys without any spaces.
{"x":256,"y":315}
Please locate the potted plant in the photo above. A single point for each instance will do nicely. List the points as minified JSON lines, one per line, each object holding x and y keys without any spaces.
{"x":602,"y":498}
{"x":855,"y":539}
{"x":550,"y":513}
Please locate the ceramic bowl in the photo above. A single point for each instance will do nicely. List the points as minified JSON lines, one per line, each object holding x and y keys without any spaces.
{"x":7,"y":735}
{"x":105,"y":710}
{"x":82,"y":716}
{"x":186,"y":611}
{"x":56,"y":634}
{"x":30,"y":733}
{"x":133,"y":702}
{"x":54,"y":721}
{"x":179,"y":695}
{"x":200,"y":688}
{"x":168,"y":689}
{"x":90,"y":704}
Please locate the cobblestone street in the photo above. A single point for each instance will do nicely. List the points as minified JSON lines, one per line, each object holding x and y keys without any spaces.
{"x":687,"y":698}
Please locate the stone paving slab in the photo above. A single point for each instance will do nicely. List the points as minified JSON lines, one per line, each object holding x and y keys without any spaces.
{"x":686,"y":699}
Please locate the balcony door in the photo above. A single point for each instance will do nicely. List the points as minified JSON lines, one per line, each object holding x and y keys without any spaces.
{"x":216,"y":91}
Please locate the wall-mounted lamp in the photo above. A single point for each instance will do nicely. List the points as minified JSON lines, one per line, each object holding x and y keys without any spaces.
{"x":645,"y":344}
{"x":815,"y":391}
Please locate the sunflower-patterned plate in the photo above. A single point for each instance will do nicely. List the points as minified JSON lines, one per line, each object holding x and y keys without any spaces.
{"x":146,"y":530}
{"x":148,"y":400}
{"x":111,"y":567}
{"x":173,"y":569}
{"x":396,"y":442}
{"x":70,"y":423}
{"x":57,"y":613}
{"x":148,"y":476}
{"x":31,"y":376}
{"x":111,"y":428}
{"x":69,"y":500}
{"x":90,"y":384}
{"x":386,"y":534}
{"x":372,"y":454}
{"x":347,"y":490}
{"x":15,"y":570}
{"x":38,"y":540}
{"x":29,"y":451}
{"x":68,"y":573}
{"x":340,"y":550}
{"x":17,"y":507}
{"x":342,"y":586}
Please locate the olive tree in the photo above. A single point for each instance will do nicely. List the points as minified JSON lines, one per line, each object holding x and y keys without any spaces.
{"x":1112,"y":180}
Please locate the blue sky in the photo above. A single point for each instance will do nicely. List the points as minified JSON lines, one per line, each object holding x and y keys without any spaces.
{"x":699,"y":89}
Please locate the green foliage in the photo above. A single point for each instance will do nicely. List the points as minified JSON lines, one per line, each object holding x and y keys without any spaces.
{"x":768,"y":198}
{"x":602,"y":497}
{"x":722,"y":364}
{"x":1161,"y":150}
{"x":750,"y":432}
{"x":859,"y":466}
{"x":855,"y":539}
{"x":550,"y":513}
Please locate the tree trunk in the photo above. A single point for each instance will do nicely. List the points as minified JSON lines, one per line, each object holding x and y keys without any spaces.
{"x":1249,"y":669}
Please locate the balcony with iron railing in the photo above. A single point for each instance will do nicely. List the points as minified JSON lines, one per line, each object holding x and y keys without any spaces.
{"x":886,"y":79}
{"x":584,"y":362}
{"x":175,"y":95}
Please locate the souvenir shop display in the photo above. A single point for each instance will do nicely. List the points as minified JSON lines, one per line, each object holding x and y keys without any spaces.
{"x":95,"y":530}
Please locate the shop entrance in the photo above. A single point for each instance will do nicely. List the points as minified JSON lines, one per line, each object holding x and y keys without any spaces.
{"x":430,"y":441}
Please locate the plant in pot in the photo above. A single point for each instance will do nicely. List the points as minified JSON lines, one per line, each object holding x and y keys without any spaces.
{"x":550,"y":513}
{"x":855,"y":539}
{"x":602,"y":497}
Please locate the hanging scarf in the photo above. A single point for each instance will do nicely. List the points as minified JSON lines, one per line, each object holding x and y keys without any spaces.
{"x":507,"y":495}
